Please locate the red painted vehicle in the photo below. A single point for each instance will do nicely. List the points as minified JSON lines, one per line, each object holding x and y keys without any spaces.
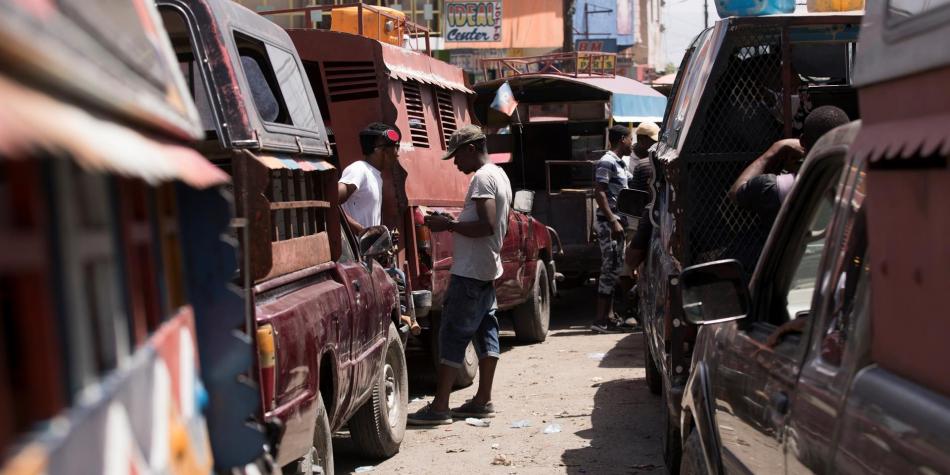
{"x":110,"y":230}
{"x":357,"y":80}
{"x":325,"y":311}
{"x":857,"y":262}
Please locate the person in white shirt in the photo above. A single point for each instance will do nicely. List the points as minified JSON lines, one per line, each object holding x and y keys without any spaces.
{"x":360,"y":189}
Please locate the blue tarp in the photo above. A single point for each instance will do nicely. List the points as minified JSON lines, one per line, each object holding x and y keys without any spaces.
{"x":636,"y":108}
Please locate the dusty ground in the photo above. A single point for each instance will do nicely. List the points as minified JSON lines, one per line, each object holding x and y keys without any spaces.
{"x":609,"y":421}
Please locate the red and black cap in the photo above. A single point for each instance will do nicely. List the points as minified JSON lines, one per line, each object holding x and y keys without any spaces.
{"x":378,"y":129}
{"x":370,"y":135}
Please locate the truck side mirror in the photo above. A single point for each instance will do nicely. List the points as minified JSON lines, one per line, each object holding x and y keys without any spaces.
{"x":633,"y":202}
{"x":714,"y":292}
{"x":375,"y":241}
{"x":524,"y":201}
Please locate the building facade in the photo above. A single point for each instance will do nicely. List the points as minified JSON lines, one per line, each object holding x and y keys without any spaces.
{"x":630,"y":28}
{"x":462,"y":31}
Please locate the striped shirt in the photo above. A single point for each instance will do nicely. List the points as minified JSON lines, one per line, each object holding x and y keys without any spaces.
{"x":611,"y":171}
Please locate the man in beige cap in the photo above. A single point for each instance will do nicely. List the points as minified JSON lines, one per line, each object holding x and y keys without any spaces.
{"x":468,"y":312}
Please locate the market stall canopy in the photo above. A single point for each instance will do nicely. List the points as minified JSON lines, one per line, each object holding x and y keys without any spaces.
{"x":630,"y":100}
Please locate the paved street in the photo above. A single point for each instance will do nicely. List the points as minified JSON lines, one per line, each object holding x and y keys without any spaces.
{"x":609,"y":421}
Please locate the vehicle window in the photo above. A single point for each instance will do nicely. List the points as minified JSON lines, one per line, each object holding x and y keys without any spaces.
{"x":900,"y":10}
{"x":347,"y":255}
{"x":97,"y":325}
{"x":179,"y":32}
{"x":262,"y":81}
{"x":847,"y":292}
{"x":689,"y":89}
{"x":805,"y":274}
{"x":292,"y":87}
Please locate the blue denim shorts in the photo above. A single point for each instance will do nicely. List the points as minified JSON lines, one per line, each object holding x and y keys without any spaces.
{"x":468,"y":315}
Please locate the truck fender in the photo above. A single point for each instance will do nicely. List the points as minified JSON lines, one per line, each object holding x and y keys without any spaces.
{"x":699,"y":414}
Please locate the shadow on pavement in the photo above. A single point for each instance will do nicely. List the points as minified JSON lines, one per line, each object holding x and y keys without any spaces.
{"x":626,"y":421}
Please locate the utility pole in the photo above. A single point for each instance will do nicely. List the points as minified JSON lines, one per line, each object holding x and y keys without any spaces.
{"x":568,"y":45}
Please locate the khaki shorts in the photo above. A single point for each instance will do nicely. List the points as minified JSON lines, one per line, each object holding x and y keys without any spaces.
{"x":627,"y":239}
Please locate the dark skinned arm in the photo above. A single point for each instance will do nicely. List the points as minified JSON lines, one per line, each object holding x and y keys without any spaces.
{"x":484,"y":226}
{"x":600,"y":196}
{"x":344,"y":191}
{"x":769,"y":162}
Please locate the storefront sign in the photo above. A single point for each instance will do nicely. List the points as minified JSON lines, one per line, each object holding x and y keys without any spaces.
{"x":469,"y":21}
{"x":601,"y":63}
{"x":606,"y":45}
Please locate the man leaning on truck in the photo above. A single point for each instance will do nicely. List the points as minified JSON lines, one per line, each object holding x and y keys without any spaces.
{"x":468,"y":313}
{"x":361,"y":185}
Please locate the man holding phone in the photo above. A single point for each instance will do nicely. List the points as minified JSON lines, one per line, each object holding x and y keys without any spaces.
{"x":468,"y":312}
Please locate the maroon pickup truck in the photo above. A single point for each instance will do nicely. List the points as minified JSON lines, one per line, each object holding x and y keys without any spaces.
{"x":323,"y":311}
{"x":831,"y":357}
{"x":359,"y":79}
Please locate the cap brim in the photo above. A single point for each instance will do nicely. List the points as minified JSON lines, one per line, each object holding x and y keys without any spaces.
{"x":450,"y":154}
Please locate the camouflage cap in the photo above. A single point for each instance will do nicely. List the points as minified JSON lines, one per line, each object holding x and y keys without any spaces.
{"x":465,"y":135}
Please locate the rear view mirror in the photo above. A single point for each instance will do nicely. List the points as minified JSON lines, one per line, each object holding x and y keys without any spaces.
{"x":714,"y":292}
{"x":375,"y":241}
{"x":524,"y":201}
{"x":632,"y":202}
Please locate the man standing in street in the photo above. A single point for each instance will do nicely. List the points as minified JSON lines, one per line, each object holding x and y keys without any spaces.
{"x":360,"y":189}
{"x":648,"y":134}
{"x":468,"y":313}
{"x":611,"y":177}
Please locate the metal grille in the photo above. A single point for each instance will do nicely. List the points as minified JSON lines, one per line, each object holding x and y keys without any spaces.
{"x":351,"y":80}
{"x":717,"y":228}
{"x":741,"y":120}
{"x":744,"y":114}
{"x":417,"y":117}
{"x":446,"y":114}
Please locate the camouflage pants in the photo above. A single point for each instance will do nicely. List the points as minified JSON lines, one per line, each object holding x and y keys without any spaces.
{"x":611,"y":259}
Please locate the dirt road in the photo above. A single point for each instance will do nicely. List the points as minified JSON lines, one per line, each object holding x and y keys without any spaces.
{"x":591,"y":386}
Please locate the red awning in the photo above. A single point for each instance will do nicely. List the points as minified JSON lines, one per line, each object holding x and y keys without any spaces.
{"x":408,"y":65}
{"x":32,"y":122}
{"x":903,"y":138}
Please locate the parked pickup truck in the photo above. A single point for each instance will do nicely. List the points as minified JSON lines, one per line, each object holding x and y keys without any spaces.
{"x":858,"y":262}
{"x":359,"y":78}
{"x":323,"y":311}
{"x":743,"y":84}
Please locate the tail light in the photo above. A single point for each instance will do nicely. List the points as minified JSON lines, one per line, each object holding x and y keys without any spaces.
{"x":267,"y":355}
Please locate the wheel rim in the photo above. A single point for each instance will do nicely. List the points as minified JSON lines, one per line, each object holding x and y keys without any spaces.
{"x":392,"y":394}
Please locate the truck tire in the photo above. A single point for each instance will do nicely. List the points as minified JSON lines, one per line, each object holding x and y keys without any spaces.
{"x":320,"y":458}
{"x":466,"y":374}
{"x":533,"y":317}
{"x":379,"y":425}
{"x":649,"y":365}
{"x":694,"y":463}
{"x":672,"y":449}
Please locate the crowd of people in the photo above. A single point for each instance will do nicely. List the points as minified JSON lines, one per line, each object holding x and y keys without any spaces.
{"x":468,"y":313}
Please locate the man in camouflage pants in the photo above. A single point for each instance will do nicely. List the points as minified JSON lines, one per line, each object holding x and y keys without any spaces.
{"x":611,"y":177}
